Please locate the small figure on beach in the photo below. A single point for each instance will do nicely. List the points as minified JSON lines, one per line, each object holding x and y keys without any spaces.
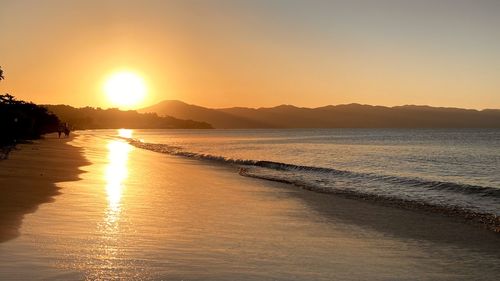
{"x":66,"y":131}
{"x":63,"y":128}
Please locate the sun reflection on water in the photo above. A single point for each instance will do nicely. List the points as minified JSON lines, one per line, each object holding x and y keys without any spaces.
{"x":116,"y":173}
{"x":125,"y":133}
{"x":107,"y":256}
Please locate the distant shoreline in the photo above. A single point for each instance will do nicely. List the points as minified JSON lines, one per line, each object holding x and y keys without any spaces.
{"x":330,"y":116}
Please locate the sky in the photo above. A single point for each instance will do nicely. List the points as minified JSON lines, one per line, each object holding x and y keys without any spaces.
{"x":255,"y":53}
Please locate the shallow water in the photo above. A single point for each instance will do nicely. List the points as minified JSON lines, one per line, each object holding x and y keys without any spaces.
{"x":141,"y":215}
{"x":456,"y":168}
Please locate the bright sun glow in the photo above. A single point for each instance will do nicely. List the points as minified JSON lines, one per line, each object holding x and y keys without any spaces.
{"x":125,"y":89}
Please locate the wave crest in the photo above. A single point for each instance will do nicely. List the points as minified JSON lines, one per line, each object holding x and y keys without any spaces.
{"x":473,"y":198}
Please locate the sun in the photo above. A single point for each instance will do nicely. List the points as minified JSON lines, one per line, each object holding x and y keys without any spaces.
{"x":125,"y":89}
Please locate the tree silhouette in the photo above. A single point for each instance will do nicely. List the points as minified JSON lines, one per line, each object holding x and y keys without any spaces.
{"x":9,"y":99}
{"x":20,"y":120}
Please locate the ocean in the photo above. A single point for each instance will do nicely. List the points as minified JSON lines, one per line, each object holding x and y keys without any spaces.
{"x":218,"y":208}
{"x":456,"y":169}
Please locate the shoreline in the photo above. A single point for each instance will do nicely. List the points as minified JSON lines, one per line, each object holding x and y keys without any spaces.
{"x":29,"y":176}
{"x":400,"y":223}
{"x":483,"y":220}
{"x":44,"y":190}
{"x":191,"y":215}
{"x":487,"y":221}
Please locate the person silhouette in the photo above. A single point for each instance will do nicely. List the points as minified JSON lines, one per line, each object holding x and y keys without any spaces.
{"x":66,"y":131}
{"x":59,"y":130}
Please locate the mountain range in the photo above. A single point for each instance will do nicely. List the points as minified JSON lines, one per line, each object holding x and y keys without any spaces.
{"x":331,"y":116}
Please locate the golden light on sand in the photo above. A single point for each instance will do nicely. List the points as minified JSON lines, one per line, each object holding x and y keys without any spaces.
{"x":125,"y":89}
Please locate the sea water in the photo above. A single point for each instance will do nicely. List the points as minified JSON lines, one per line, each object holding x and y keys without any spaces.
{"x":456,"y":168}
{"x":136,"y":214}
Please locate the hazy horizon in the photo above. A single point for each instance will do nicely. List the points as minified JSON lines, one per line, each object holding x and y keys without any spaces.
{"x":222,"y":54}
{"x":312,"y":107}
{"x":277,"y":105}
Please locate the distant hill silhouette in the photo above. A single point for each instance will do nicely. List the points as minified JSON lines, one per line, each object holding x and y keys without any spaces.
{"x":187,"y":111}
{"x":97,"y":118}
{"x":332,"y":116}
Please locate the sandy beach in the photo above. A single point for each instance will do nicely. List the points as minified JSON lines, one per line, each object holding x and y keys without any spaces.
{"x":96,"y":208}
{"x":28,"y":178}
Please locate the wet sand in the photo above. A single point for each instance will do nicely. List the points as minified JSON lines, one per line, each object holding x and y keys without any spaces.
{"x":141,"y":215}
{"x":28,"y":178}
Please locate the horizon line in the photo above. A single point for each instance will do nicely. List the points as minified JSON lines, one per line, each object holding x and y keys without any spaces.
{"x":279,"y":105}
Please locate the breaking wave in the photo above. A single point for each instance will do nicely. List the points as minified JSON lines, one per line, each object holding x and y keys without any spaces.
{"x":480,"y":202}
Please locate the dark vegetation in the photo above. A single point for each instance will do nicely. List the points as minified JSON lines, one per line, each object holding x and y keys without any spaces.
{"x":20,"y":120}
{"x":97,"y":118}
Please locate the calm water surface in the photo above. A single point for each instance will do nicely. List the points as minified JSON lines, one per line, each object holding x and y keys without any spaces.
{"x":464,"y":156}
{"x":142,"y":215}
{"x":456,"y":168}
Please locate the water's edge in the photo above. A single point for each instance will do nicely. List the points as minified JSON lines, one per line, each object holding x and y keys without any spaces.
{"x":266,"y":170}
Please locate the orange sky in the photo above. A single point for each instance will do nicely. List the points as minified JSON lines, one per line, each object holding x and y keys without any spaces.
{"x":255,"y":53}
